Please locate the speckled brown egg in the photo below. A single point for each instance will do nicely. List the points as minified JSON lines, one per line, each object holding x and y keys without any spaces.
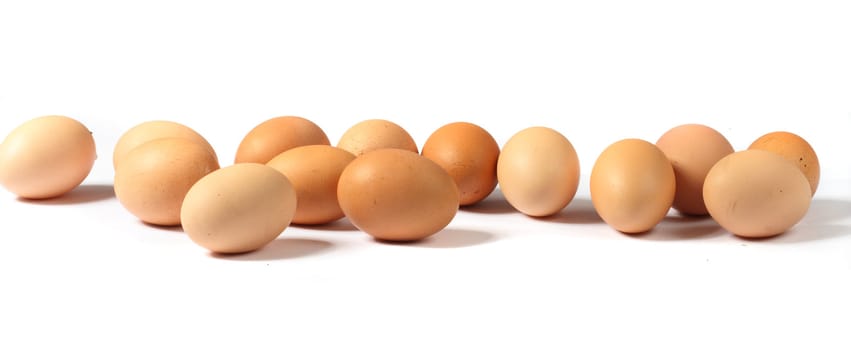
{"x":314,"y":172}
{"x":632,"y":185}
{"x":374,"y":134}
{"x":692,"y":150}
{"x":153,"y":178}
{"x":152,"y":130}
{"x":469,"y":154}
{"x":795,"y":149}
{"x":274,"y":136}
{"x":46,"y":157}
{"x":397,"y":195}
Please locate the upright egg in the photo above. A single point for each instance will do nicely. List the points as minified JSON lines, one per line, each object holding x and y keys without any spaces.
{"x":373,"y":134}
{"x":469,"y":154}
{"x":756,"y":193}
{"x":274,"y":136}
{"x":692,"y":150}
{"x":397,"y":195}
{"x":632,"y":185}
{"x":46,"y":157}
{"x":151,"y":181}
{"x":538,"y":171}
{"x":238,"y":209}
{"x":795,"y":149}
{"x":152,"y":130}
{"x":314,"y":172}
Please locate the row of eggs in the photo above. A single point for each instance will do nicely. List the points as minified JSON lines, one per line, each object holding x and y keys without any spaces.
{"x":287,"y":172}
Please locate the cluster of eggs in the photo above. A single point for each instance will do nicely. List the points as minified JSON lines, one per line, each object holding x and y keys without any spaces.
{"x":286,"y":172}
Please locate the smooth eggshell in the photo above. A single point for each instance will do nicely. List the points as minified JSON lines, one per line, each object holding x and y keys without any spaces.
{"x":46,"y":157}
{"x":374,"y":134}
{"x":756,"y":193}
{"x":274,"y":136}
{"x":152,"y":130}
{"x":152,"y":180}
{"x":795,"y":149}
{"x":239,"y":208}
{"x":397,"y":195}
{"x":314,"y":172}
{"x":632,"y":185}
{"x":538,"y":171}
{"x":469,"y":154}
{"x":692,"y":150}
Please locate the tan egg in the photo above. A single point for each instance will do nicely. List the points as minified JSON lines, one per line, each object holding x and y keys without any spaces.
{"x":239,"y":208}
{"x":632,"y":185}
{"x":692,"y":150}
{"x":756,"y":193}
{"x":469,"y":154}
{"x":152,"y":130}
{"x":538,"y":171}
{"x":46,"y":157}
{"x":314,"y":172}
{"x":152,"y":180}
{"x":374,"y":134}
{"x":793,"y":148}
{"x":277,"y":135}
{"x":397,"y":195}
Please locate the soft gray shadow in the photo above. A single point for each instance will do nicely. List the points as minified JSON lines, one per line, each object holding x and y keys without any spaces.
{"x":171,"y":228}
{"x":680,"y":227}
{"x":447,"y":238}
{"x":579,"y":211}
{"x":339,"y":225}
{"x":805,"y":233}
{"x":495,"y":203}
{"x":826,"y":210}
{"x":81,"y":194}
{"x":280,"y":249}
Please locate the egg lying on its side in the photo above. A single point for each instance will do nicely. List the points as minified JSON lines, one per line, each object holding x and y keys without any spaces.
{"x":152,"y":130}
{"x":274,"y":136}
{"x":469,"y":154}
{"x":373,"y":134}
{"x":632,"y":185}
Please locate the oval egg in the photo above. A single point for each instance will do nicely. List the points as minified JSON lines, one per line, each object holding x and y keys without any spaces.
{"x":795,"y":149}
{"x":152,"y":130}
{"x":373,"y":134}
{"x":632,"y":185}
{"x":274,"y":136}
{"x":397,"y":195}
{"x":469,"y":154}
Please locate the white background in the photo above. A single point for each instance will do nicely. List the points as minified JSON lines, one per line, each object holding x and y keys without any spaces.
{"x":80,"y":272}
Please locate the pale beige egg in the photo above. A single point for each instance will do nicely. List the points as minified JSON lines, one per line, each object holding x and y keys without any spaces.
{"x":152,"y":130}
{"x":373,"y":134}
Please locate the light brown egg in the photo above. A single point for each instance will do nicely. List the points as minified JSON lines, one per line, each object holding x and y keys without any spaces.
{"x":374,"y":134}
{"x":397,"y":195}
{"x":314,"y":172}
{"x":692,"y":150}
{"x":239,"y":208}
{"x":46,"y":157}
{"x":632,"y":185}
{"x":756,"y":193}
{"x":274,"y":136}
{"x":794,"y":148}
{"x":538,"y":171}
{"x":469,"y":154}
{"x":152,"y":130}
{"x":153,"y":178}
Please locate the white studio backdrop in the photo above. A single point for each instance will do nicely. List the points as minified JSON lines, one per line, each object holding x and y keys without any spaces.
{"x":596,"y":71}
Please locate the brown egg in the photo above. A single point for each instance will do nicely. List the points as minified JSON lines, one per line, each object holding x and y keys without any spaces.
{"x":397,"y":195}
{"x":152,"y":130}
{"x":632,"y":185}
{"x":238,"y":209}
{"x":152,"y":180}
{"x":793,"y":148}
{"x":277,"y":135}
{"x":538,"y":171}
{"x":314,"y":172}
{"x":692,"y":150}
{"x":374,"y":134}
{"x":756,"y":193}
{"x":469,"y":154}
{"x":46,"y":157}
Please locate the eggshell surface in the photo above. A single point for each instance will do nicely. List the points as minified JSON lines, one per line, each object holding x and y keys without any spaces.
{"x":152,"y":130}
{"x":46,"y":157}
{"x":692,"y":150}
{"x":274,"y":136}
{"x":239,"y":208}
{"x":756,"y":193}
{"x":373,"y":134}
{"x":538,"y":171}
{"x":397,"y":195}
{"x":632,"y":185}
{"x":314,"y":172}
{"x":469,"y":154}
{"x":795,"y":149}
